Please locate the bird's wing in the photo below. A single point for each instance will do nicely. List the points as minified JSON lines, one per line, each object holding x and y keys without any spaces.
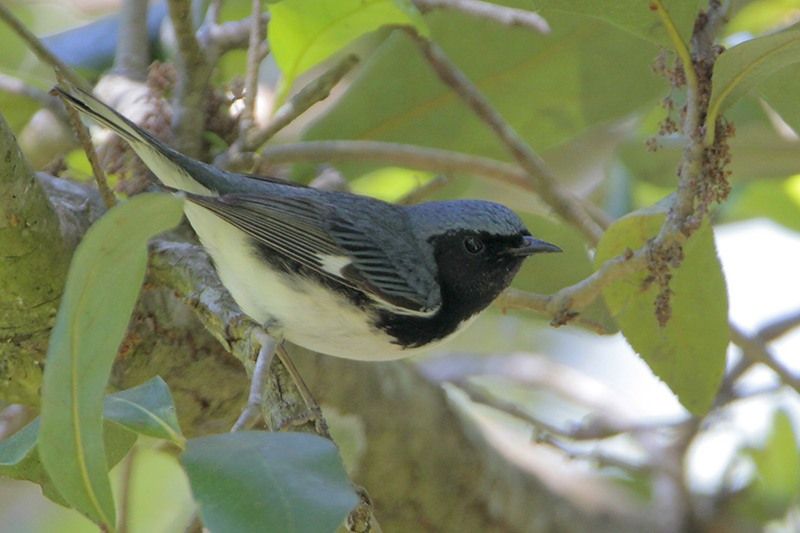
{"x":314,"y":236}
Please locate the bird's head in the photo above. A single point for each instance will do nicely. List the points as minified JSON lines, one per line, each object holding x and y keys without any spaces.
{"x":478,"y":247}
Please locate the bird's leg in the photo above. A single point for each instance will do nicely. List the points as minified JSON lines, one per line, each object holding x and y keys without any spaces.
{"x":258,"y":380}
{"x":314,"y":410}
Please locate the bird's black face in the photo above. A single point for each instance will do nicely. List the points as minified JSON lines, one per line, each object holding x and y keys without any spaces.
{"x":474,"y":267}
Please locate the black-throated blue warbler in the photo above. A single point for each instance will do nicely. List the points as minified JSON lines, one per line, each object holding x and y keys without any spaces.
{"x":338,"y":273}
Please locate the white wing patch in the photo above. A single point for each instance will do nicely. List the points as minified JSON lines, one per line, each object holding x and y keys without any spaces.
{"x":334,"y":264}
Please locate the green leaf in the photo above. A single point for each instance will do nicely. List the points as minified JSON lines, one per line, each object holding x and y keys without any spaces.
{"x":778,"y":200}
{"x":257,"y":481}
{"x":147,"y":409}
{"x":102,"y":286}
{"x":777,"y":483}
{"x":688,"y":354}
{"x":19,"y":457}
{"x":741,"y":68}
{"x":758,"y":153}
{"x":780,"y":91}
{"x":634,"y":16}
{"x":304,"y":33}
{"x":549,"y":88}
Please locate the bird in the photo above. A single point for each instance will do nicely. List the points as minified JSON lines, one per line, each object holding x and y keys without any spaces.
{"x":334,"y":272}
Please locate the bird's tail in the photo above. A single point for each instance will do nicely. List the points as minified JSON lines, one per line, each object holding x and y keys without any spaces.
{"x":103,"y":114}
{"x":170,"y":167}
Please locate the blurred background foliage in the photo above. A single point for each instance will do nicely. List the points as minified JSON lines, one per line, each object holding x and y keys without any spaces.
{"x":588,"y":98}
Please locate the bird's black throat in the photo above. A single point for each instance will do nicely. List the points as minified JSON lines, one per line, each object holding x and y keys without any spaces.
{"x":469,"y":283}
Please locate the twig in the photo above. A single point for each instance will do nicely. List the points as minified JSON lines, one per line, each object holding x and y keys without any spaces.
{"x":565,"y":305}
{"x":63,"y":73}
{"x":86,"y":142}
{"x":39,"y":48}
{"x":677,"y":43}
{"x":240,"y":155}
{"x":133,"y":48}
{"x":755,"y":350}
{"x":529,"y":301}
{"x":598,"y":457}
{"x":12,"y":85}
{"x":545,"y":182}
{"x":212,"y":13}
{"x":314,"y":92}
{"x":320,"y":424}
{"x":258,"y":380}
{"x":596,"y":428}
{"x":216,"y":39}
{"x":406,"y":155}
{"x":544,"y":432}
{"x":189,"y":109}
{"x":779,"y":327}
{"x":254,"y":57}
{"x":765,"y":334}
{"x":507,"y":16}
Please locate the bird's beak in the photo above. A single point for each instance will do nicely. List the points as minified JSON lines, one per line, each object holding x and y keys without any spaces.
{"x":532,"y":246}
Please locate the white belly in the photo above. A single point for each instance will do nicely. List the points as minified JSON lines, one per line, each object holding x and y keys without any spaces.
{"x":308,"y":314}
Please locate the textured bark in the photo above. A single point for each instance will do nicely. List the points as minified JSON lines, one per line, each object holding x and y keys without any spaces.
{"x":33,"y":266}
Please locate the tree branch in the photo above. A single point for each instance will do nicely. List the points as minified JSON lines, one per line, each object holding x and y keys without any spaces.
{"x":778,"y":328}
{"x":507,"y":16}
{"x":254,"y":56}
{"x":41,"y":51}
{"x":33,"y":267}
{"x":217,"y":39}
{"x":240,"y":157}
{"x":132,"y":54}
{"x":12,"y":85}
{"x":755,"y":350}
{"x":189,"y":109}
{"x":543,"y":180}
{"x":406,"y":155}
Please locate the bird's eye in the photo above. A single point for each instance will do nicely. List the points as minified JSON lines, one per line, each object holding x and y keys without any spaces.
{"x":473,"y":245}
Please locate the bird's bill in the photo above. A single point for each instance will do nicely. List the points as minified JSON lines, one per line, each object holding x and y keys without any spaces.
{"x":532,"y":246}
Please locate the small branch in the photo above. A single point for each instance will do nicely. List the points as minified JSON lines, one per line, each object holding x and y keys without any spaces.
{"x":544,"y":432}
{"x":254,"y":57}
{"x":63,"y":73}
{"x":677,"y":43}
{"x":217,"y":39}
{"x":212,"y":13}
{"x":755,"y":350}
{"x":566,"y":304}
{"x":316,"y":91}
{"x":314,"y":410}
{"x":240,"y":155}
{"x":545,"y":182}
{"x":507,"y":16}
{"x":189,"y":109}
{"x":406,"y":155}
{"x":133,"y":49}
{"x":86,"y":142}
{"x":779,"y":327}
{"x":258,"y":381}
{"x":597,"y":457}
{"x":702,"y":168}
{"x":39,"y":48}
{"x":12,"y":85}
